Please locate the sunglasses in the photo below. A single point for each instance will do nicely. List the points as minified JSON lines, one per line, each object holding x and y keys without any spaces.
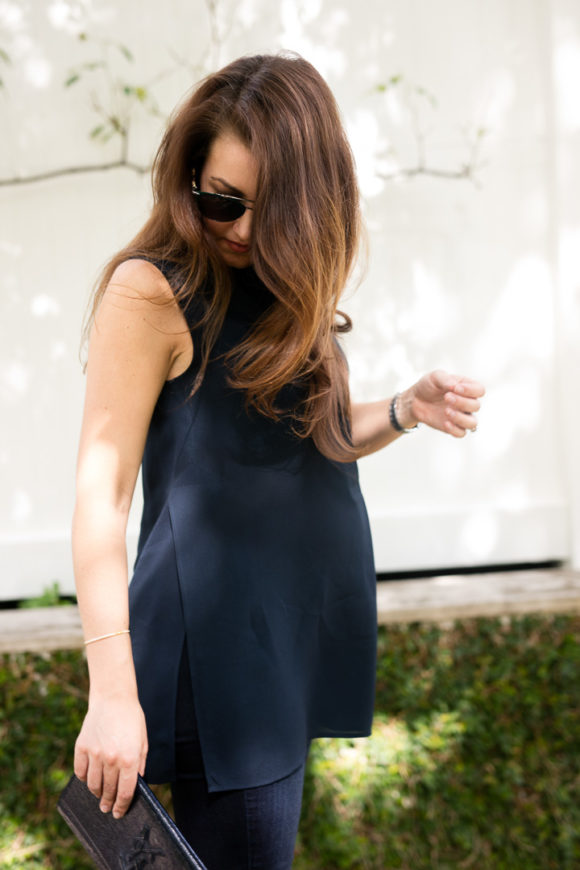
{"x":218,"y":206}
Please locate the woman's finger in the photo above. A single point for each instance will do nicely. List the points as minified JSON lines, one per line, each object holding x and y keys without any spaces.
{"x":125,"y":791}
{"x":95,"y":776}
{"x":462,"y":403}
{"x":109,"y":791}
{"x":469,"y":388}
{"x":143,"y":760}
{"x":81,"y":763}
{"x":458,"y":423}
{"x":468,"y":422}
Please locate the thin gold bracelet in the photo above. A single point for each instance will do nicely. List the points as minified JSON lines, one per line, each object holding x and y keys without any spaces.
{"x":105,"y":636}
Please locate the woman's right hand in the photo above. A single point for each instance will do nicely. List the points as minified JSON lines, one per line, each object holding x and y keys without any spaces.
{"x":111,"y":750}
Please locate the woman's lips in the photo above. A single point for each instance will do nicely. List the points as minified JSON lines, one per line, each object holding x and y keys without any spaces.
{"x":236,"y":248}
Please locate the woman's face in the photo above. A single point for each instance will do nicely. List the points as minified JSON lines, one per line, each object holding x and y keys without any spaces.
{"x":231,"y":169}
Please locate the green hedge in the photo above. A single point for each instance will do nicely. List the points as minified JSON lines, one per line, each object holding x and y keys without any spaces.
{"x":474,"y":760}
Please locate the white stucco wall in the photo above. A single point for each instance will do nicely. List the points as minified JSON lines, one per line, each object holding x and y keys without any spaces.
{"x":565,"y":69}
{"x":481,"y":279}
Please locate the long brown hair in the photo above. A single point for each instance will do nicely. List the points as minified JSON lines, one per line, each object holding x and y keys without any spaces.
{"x":305,"y":234}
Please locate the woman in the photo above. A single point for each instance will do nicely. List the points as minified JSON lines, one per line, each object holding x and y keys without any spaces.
{"x":214,"y":361}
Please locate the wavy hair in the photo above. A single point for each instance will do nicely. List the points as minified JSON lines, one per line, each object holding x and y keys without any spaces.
{"x":305,"y":235}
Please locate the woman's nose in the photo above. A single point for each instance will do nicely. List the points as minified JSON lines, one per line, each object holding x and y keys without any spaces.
{"x":243,"y":226}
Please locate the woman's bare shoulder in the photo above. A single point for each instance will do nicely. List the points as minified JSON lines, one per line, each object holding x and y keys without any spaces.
{"x":138,"y":287}
{"x":142,"y":279}
{"x":139,"y":297}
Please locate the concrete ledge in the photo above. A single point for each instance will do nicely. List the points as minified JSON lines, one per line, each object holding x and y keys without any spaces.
{"x":435,"y":599}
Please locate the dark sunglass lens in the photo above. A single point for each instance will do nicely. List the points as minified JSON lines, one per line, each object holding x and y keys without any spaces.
{"x":218,"y":208}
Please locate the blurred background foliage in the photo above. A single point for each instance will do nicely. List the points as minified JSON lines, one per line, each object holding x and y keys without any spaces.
{"x":474,"y":760}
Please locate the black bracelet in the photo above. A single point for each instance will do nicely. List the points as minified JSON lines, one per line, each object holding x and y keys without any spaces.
{"x":393,"y":417}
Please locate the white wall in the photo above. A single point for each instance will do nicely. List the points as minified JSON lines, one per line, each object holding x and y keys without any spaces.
{"x":565,"y":69}
{"x":480,"y":279}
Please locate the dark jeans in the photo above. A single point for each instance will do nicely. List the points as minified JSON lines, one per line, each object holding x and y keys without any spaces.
{"x":246,"y":829}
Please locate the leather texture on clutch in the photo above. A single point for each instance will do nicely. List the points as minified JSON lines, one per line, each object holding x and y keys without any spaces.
{"x":145,"y":837}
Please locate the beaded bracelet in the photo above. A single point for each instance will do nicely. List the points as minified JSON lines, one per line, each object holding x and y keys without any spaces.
{"x":393,"y":417}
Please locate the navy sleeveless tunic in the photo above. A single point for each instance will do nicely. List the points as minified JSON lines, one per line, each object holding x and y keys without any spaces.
{"x":254,"y":556}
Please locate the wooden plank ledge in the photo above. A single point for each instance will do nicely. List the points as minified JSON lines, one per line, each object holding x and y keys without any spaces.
{"x":40,"y":629}
{"x":462,"y":596}
{"x":434,"y":599}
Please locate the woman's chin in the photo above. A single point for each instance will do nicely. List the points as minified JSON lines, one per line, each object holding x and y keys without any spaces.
{"x":234,"y":259}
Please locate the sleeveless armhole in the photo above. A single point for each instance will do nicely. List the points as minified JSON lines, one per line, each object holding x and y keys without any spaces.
{"x":191,"y":307}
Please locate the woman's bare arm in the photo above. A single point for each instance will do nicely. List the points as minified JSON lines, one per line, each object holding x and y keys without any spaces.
{"x":440,"y":400}
{"x":135,"y":344}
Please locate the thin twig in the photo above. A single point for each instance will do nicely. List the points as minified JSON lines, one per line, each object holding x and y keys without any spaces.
{"x":214,"y":30}
{"x":464,"y":172}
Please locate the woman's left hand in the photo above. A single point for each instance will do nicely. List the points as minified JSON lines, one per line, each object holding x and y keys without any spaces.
{"x":443,"y":401}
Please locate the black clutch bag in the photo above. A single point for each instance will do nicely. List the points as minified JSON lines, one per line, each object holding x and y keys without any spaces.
{"x":145,"y":836}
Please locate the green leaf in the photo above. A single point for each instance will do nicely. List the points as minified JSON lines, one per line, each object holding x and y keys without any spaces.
{"x":50,"y":597}
{"x":394,"y":80}
{"x":117,"y":125}
{"x":73,"y":79}
{"x":97,"y":131}
{"x":126,"y":53}
{"x":423,"y":92}
{"x":93,"y":65}
{"x":4,"y":56}
{"x":141,"y":94}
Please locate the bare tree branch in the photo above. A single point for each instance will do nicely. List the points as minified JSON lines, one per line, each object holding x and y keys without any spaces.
{"x":466,"y":172}
{"x":75,"y":170}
